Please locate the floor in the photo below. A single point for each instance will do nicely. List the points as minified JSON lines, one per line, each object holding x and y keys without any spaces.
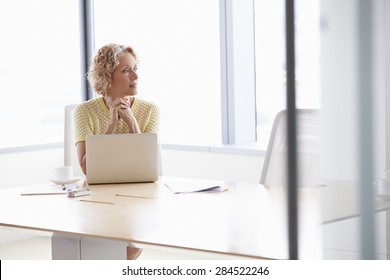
{"x":39,"y":248}
{"x":35,"y":248}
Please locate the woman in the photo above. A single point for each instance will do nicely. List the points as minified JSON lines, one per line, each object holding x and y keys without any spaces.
{"x":113,"y":75}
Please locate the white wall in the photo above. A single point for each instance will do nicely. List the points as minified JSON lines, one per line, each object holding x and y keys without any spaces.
{"x":34,"y":167}
{"x":28,"y":167}
{"x":209,"y":165}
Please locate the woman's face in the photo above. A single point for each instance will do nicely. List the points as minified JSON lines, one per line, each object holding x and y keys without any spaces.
{"x":124,"y":78}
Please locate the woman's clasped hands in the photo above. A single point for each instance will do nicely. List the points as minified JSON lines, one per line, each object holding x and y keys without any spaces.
{"x":117,"y":108}
{"x":120,"y":109}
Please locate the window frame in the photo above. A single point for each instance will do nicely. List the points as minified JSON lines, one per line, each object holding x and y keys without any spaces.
{"x":238,"y":79}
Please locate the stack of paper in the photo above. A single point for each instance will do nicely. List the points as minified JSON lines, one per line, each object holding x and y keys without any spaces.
{"x":184,"y":185}
{"x":47,"y":189}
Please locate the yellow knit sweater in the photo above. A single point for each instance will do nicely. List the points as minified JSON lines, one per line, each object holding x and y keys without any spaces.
{"x":91,"y":117}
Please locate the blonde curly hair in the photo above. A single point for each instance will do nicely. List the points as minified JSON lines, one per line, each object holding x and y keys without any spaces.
{"x":103,"y":65}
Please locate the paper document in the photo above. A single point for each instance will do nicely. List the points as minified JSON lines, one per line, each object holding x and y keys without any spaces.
{"x":47,"y":189}
{"x":184,"y":185}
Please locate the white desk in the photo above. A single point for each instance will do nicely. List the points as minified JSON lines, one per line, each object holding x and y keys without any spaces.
{"x":247,"y":221}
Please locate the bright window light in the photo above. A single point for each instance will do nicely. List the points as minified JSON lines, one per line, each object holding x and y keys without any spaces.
{"x":271,"y":62}
{"x":39,"y":69}
{"x":179,"y":49}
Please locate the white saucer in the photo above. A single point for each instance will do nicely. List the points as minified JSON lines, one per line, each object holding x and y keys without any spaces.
{"x":64,"y":182}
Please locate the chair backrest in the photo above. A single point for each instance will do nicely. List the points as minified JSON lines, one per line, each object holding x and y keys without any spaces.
{"x":70,"y":152}
{"x":274,"y":171}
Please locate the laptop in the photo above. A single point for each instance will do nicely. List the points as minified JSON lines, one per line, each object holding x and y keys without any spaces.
{"x":122,"y":158}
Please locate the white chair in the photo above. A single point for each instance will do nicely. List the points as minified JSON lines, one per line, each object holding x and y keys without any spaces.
{"x":70,"y":152}
{"x":274,"y":171}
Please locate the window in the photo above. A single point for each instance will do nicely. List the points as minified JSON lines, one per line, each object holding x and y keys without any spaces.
{"x":39,"y":70}
{"x":179,"y":45}
{"x":270,"y":60}
{"x":179,"y":49}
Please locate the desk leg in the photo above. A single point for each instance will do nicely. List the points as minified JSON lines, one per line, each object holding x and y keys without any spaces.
{"x":65,"y":247}
{"x":103,"y":249}
{"x":69,"y":247}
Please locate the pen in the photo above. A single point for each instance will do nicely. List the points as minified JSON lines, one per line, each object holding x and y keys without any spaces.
{"x":94,"y":201}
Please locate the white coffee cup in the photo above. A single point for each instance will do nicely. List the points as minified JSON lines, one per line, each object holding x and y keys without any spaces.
{"x":63,"y":173}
